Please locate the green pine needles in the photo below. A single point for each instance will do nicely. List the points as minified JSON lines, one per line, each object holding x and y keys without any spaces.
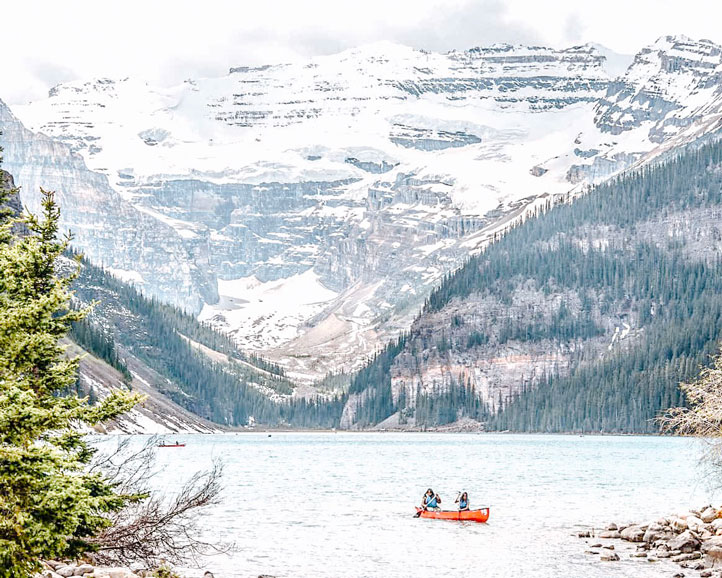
{"x":51,"y":503}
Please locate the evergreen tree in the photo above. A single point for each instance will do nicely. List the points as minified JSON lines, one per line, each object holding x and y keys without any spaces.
{"x":50,"y":503}
{"x":604,"y":263}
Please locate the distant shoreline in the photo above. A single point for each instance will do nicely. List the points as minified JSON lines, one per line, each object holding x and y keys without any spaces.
{"x":399,"y":431}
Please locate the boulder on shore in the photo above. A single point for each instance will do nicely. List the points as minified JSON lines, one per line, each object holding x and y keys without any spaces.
{"x":695,"y":524}
{"x":679,"y":525}
{"x":112,"y":572}
{"x":654,"y":532}
{"x":713,"y":547}
{"x":633,"y":533}
{"x":609,"y":556}
{"x":686,"y":542}
{"x":709,"y":515}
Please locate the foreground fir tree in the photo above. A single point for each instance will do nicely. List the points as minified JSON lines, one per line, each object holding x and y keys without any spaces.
{"x":51,"y":504}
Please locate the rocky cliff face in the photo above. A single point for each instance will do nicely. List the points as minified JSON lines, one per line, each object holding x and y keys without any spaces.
{"x":157,"y":414}
{"x":7,"y":183}
{"x":109,"y":230}
{"x":329,"y":197}
{"x":614,"y":296}
{"x":669,"y":86}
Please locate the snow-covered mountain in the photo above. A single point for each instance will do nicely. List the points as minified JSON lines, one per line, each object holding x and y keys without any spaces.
{"x":108,"y":229}
{"x":328,"y":197}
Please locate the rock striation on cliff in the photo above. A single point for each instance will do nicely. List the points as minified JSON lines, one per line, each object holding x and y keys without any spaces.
{"x":308,"y":209}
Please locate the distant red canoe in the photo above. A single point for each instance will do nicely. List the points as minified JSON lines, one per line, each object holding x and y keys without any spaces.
{"x":171,"y":445}
{"x":481,"y":515}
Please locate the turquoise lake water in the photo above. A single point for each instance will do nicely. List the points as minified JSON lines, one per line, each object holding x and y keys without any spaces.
{"x":341,"y":505}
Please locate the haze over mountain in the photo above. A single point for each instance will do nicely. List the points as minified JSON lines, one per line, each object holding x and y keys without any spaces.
{"x":309,"y":209}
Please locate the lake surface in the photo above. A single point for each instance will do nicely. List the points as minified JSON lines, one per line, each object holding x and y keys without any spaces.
{"x":341,"y":505}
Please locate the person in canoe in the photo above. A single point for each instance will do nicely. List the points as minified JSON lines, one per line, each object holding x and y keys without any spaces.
{"x":463,"y":501}
{"x":431,"y":500}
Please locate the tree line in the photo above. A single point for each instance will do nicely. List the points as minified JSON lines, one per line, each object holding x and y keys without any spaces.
{"x":662,"y":286}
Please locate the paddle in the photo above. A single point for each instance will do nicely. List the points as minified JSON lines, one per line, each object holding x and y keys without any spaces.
{"x":418,"y":512}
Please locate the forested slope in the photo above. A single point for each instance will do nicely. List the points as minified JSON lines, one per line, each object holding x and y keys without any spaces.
{"x":174,"y":355}
{"x":202,"y":370}
{"x":584,"y":318}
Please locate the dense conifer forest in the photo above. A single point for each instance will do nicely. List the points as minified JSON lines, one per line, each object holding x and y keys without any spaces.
{"x":100,"y":343}
{"x":229,"y":389}
{"x":669,"y":287}
{"x":597,"y":250}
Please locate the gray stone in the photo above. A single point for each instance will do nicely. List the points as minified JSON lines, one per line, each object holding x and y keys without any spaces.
{"x":686,"y":557}
{"x":49,"y":574}
{"x":83,"y":569}
{"x":609,"y":546}
{"x":612,"y":527}
{"x":679,"y":525}
{"x":609,"y":556}
{"x":663,"y":539}
{"x":66,"y":571}
{"x":112,"y":572}
{"x":713,"y":547}
{"x":610,"y":534}
{"x":708,"y":515}
{"x":653,"y":532}
{"x":633,"y":534}
{"x":694,"y":523}
{"x":685,"y":542}
{"x":638,"y":555}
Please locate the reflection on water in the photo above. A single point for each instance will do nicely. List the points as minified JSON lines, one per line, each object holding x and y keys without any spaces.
{"x":342,"y":505}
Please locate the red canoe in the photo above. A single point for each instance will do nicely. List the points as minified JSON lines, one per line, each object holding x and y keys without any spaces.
{"x":465,"y":515}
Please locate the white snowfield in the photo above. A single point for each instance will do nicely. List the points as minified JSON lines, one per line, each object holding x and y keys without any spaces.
{"x":330,"y":196}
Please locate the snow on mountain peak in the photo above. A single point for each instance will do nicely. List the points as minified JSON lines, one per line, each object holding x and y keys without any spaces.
{"x":372,"y":172}
{"x":670,"y":85}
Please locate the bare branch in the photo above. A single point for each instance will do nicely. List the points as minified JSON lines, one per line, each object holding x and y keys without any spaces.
{"x":154,"y":530}
{"x":702,"y":417}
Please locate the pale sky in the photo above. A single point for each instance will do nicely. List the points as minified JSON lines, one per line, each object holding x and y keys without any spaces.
{"x":46,"y":42}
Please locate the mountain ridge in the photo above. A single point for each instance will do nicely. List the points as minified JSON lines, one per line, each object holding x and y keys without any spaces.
{"x":585,"y":318}
{"x":381,"y":170}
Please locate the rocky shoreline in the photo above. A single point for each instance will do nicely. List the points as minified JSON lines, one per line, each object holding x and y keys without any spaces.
{"x":55,"y":569}
{"x":692,"y":540}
